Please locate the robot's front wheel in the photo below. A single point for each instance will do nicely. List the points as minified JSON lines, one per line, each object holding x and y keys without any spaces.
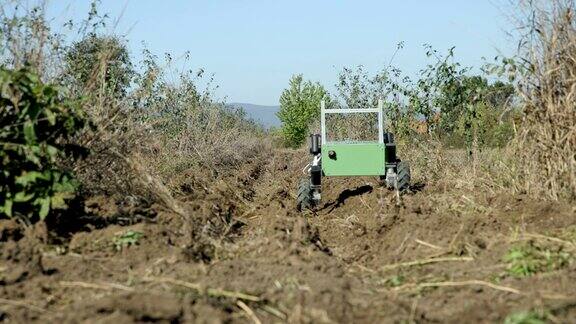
{"x":304,"y":200}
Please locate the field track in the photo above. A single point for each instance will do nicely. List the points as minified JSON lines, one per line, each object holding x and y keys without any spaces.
{"x":242,"y":253}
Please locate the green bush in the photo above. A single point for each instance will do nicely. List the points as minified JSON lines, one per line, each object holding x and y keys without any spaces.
{"x":35,"y":122}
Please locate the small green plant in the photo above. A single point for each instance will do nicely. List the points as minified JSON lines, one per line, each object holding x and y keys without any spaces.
{"x":530,"y":258}
{"x":36,"y":122}
{"x":125,"y":239}
{"x":525,"y":318}
{"x":395,"y":281}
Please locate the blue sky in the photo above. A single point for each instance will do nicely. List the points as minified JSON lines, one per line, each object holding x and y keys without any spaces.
{"x":253,"y":47}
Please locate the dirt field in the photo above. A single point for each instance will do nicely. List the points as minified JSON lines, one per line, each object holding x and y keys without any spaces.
{"x":437,"y":255}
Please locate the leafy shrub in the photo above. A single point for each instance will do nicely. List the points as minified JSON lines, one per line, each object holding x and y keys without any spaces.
{"x":35,"y":121}
{"x":356,"y":88}
{"x":482,"y":125}
{"x":100,"y":62}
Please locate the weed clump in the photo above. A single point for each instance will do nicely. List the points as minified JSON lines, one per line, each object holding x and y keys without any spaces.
{"x":530,"y":258}
{"x":125,"y":239}
{"x":530,"y":317}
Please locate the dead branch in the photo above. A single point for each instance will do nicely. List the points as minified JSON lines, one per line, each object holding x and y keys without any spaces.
{"x":248,"y":312}
{"x":208,"y":291}
{"x":549,"y":238}
{"x":19,"y":303}
{"x":103,"y":286}
{"x":459,"y":284}
{"x":430,"y":245}
{"x":424,"y":262}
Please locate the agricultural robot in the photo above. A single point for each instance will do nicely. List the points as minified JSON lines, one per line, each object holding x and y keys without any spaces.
{"x":351,"y":158}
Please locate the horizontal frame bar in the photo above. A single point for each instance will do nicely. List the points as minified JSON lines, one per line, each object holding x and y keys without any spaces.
{"x":351,"y":110}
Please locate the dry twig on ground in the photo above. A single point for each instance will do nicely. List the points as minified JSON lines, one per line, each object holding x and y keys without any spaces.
{"x":208,"y":291}
{"x":424,"y":262}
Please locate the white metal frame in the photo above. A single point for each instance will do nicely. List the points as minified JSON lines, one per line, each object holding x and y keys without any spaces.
{"x":324,"y":111}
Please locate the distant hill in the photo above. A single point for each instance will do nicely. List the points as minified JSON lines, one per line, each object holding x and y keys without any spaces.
{"x":265,"y":115}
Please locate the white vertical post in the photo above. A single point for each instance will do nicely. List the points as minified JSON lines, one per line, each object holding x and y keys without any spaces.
{"x":380,"y":121}
{"x":323,"y":121}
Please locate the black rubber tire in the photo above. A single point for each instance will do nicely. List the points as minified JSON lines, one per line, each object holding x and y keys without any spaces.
{"x":304,"y":197}
{"x":403,"y":176}
{"x":382,"y":181}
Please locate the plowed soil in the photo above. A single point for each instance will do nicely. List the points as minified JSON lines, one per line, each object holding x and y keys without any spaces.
{"x":242,"y":253}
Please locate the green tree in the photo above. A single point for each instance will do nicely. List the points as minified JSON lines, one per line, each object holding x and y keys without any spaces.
{"x":101,"y":63}
{"x":299,"y":106}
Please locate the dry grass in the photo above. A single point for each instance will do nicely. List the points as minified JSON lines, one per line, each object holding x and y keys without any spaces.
{"x":545,"y":148}
{"x":212,"y":141}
